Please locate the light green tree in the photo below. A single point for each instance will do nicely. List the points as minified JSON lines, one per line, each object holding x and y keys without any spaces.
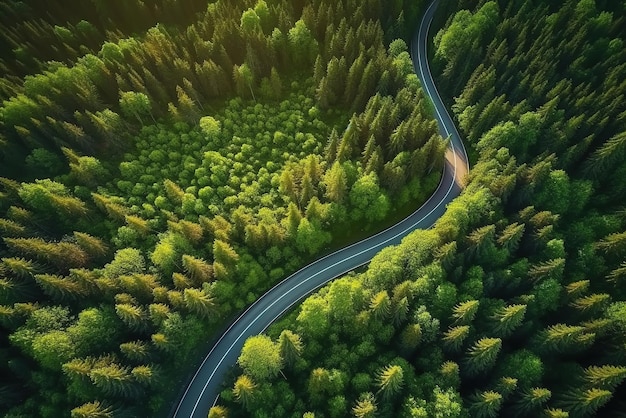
{"x":390,"y":380}
{"x":244,"y":390}
{"x":260,"y":358}
{"x":366,"y":406}
{"x":136,"y":105}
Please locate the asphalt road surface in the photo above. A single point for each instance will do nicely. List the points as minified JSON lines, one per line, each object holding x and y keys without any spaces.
{"x":203,"y":390}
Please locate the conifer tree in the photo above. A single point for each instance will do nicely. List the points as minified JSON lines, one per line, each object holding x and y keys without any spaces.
{"x":366,"y":406}
{"x":581,"y":402}
{"x":390,"y":380}
{"x":605,"y":377}
{"x":531,"y":401}
{"x":244,"y":390}
{"x":508,"y":318}
{"x":464,"y":312}
{"x":114,"y":379}
{"x":199,"y":302}
{"x":218,"y":411}
{"x":380,"y":305}
{"x":135,"y":351}
{"x":454,"y":337}
{"x":291,"y":347}
{"x":486,"y":404}
{"x":482,"y":355}
{"x":93,"y":409}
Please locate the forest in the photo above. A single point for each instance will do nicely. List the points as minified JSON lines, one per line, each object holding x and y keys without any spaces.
{"x":513,"y":305}
{"x":163,"y":163}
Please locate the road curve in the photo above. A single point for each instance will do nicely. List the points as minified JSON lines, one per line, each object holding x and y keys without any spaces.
{"x":203,"y":390}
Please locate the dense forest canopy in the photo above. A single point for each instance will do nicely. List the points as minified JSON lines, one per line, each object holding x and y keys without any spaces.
{"x":163,"y":163}
{"x":513,"y":305}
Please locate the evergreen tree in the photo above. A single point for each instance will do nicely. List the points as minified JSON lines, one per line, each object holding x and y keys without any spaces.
{"x":366,"y":406}
{"x":508,"y":318}
{"x":486,"y":404}
{"x":390,"y":380}
{"x":244,"y":390}
{"x":482,"y":355}
{"x":290,"y":345}
{"x":531,"y":401}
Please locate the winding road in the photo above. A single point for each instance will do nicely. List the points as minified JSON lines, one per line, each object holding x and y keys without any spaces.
{"x":203,"y":390}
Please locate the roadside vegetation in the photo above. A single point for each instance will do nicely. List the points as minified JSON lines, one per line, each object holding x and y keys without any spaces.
{"x":513,"y":305}
{"x":158,"y":173}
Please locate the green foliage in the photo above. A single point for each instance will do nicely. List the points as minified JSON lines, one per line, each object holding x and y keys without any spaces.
{"x":210,"y":126}
{"x":486,"y":404}
{"x":532,"y":252}
{"x":290,"y":345}
{"x":390,"y":380}
{"x":365,"y":407}
{"x":482,"y":355}
{"x":368,"y":201}
{"x":135,"y":104}
{"x":260,"y":358}
{"x":244,"y":390}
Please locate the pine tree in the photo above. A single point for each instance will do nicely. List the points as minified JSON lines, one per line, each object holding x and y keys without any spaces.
{"x":173,"y":191}
{"x":566,"y":338}
{"x":293,"y":219}
{"x":291,"y":347}
{"x":161,"y":342}
{"x":390,"y":381}
{"x":410,"y":337}
{"x":133,"y":316}
{"x":453,"y":338}
{"x":218,"y":411}
{"x":197,"y":269}
{"x":605,"y":377}
{"x":607,"y":156}
{"x":158,"y":312}
{"x":115,"y":380}
{"x":581,"y":402}
{"x":113,"y":209}
{"x":199,"y":302}
{"x":592,"y":303}
{"x":336,"y":183}
{"x":79,"y":368}
{"x":399,"y":311}
{"x":486,"y":404}
{"x":549,"y":269}
{"x":138,"y":224}
{"x":94,"y":409}
{"x":479,"y":239}
{"x":366,"y":406}
{"x":94,"y":246}
{"x":577,"y":288}
{"x":307,"y":191}
{"x":244,"y":390}
{"x":144,"y":375}
{"x":508,"y":318}
{"x":20,"y":267}
{"x":511,"y":236}
{"x":330,"y":152}
{"x":58,"y":287}
{"x":531,"y":401}
{"x":482,"y":355}
{"x":135,"y":351}
{"x":10,"y":228}
{"x":617,"y":275}
{"x":464,"y":312}
{"x":380,"y":305}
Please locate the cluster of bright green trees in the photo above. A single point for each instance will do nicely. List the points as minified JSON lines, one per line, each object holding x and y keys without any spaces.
{"x":155,"y":179}
{"x":514,"y":303}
